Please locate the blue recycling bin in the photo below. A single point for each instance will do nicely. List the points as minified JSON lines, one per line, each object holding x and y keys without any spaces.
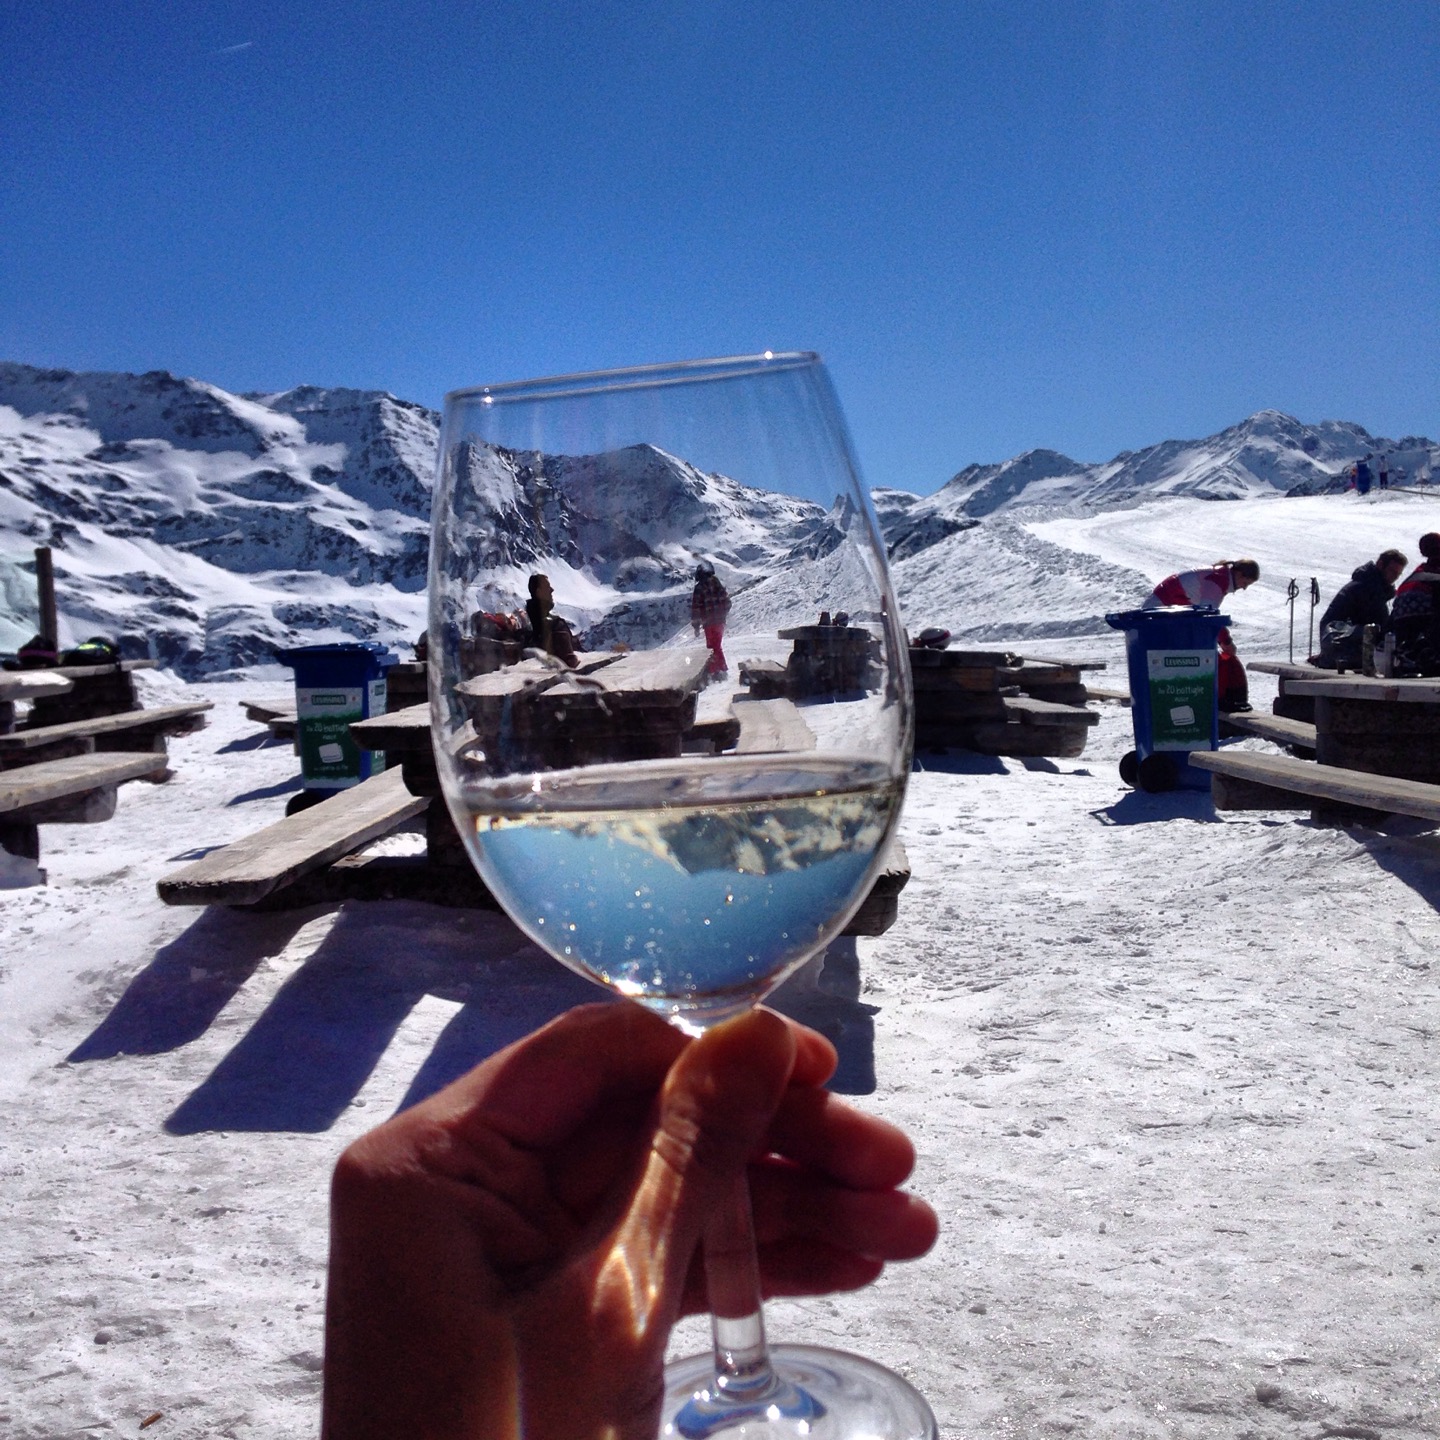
{"x":335,"y":685}
{"x":1171,"y":656}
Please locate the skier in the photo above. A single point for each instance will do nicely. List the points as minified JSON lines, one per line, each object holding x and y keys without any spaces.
{"x":1362,"y":476}
{"x":1415,"y":615}
{"x":709,"y":605}
{"x":1210,"y":587}
{"x":1363,"y":600}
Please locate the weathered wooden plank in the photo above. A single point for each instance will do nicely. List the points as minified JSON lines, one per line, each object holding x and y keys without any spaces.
{"x":72,"y":776}
{"x":1063,"y":664}
{"x":650,"y":677}
{"x":1424,"y":690}
{"x":1021,"y":741}
{"x":924,"y":658}
{"x":1030,"y":711}
{"x":400,"y":731}
{"x":89,"y":672}
{"x":1100,"y":692}
{"x":980,"y":679}
{"x":163,"y":719}
{"x":1325,"y":782}
{"x":1276,"y":728}
{"x":712,"y":736}
{"x":1229,"y":792}
{"x":1042,"y":677}
{"x":263,"y":711}
{"x":770,"y":726}
{"x":939,"y":707}
{"x":1289,"y":669}
{"x":31,"y":684}
{"x":252,"y":868}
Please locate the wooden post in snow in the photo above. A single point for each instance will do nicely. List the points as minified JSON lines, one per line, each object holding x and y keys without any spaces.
{"x":45,"y":584}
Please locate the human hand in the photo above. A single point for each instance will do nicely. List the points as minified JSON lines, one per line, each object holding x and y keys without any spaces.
{"x":521,"y":1243}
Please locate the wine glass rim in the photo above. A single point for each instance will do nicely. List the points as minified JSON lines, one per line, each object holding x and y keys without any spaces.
{"x":598,"y":382}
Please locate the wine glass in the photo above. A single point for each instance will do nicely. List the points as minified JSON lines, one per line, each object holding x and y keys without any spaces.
{"x":605,"y":548}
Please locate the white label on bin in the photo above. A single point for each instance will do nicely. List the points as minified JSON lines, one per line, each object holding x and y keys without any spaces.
{"x":1182,"y":715}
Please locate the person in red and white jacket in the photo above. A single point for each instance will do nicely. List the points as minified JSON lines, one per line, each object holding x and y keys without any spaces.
{"x":1210,"y":587}
{"x":1204,"y":587}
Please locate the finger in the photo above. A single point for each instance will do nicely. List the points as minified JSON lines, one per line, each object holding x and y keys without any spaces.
{"x":883,"y":1224}
{"x":795,"y":1267}
{"x":717,"y":1103}
{"x":815,"y":1056}
{"x":539,"y":1091}
{"x":820,"y":1132}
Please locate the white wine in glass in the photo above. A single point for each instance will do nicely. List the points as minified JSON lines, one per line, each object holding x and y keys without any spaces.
{"x":682,"y":827}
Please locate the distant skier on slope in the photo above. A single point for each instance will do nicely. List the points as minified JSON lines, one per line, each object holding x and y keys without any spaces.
{"x":1210,"y":587}
{"x":709,"y":607}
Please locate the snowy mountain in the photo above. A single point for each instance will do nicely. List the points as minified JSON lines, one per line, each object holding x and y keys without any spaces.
{"x":1270,"y":453}
{"x":206,"y":528}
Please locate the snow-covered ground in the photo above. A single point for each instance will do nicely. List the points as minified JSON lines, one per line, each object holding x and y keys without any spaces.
{"x":1171,"y":1073}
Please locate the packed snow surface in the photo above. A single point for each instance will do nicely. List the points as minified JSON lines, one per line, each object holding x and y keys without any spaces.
{"x":1171,"y":1073}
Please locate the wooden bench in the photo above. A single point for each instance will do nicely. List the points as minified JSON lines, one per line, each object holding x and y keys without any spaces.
{"x":1100,"y":692}
{"x":770,"y":726}
{"x":128,"y":731}
{"x":77,"y":789}
{"x":16,"y":685}
{"x":881,"y":907}
{"x":251,"y":869}
{"x":1295,"y":734}
{"x":1292,"y":705}
{"x":1030,"y":711}
{"x":94,"y":690}
{"x":1247,"y":781}
{"x":280,"y":720}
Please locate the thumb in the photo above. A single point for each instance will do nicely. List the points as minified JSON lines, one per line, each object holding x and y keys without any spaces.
{"x":716,"y":1105}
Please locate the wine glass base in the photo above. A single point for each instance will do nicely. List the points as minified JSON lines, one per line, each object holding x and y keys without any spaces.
{"x":819,"y":1394}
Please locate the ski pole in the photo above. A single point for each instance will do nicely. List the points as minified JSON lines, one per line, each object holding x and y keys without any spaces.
{"x":1314,"y":601}
{"x":1292,"y":593}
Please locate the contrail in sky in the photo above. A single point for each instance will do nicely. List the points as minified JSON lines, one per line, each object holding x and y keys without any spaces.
{"x":232,"y":49}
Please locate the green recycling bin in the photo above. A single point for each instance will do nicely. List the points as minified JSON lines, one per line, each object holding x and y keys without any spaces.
{"x":335,"y":685}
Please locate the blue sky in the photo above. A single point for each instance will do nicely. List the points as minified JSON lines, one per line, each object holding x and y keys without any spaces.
{"x":1087,"y":226}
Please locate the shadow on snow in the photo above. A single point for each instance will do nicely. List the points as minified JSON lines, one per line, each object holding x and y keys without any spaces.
{"x":325,"y":1030}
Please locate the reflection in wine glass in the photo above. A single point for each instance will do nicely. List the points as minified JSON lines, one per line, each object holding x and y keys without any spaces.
{"x":673,"y":777}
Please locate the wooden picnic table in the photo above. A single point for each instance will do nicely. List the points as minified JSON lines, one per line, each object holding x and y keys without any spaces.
{"x":1289,"y":703}
{"x":1375,"y":724}
{"x":76,"y":789}
{"x":94,"y":690}
{"x":130,"y":730}
{"x":27,"y":685}
{"x":32,"y":684}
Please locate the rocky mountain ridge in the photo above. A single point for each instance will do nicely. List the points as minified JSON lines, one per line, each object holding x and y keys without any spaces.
{"x":206,"y":528}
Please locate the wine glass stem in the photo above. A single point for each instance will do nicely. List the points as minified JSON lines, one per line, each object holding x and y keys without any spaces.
{"x":732,"y":1273}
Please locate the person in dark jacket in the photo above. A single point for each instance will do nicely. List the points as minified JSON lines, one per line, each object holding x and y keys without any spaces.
{"x":709,"y":607}
{"x":549,"y":631}
{"x":1415,"y":615}
{"x":1364,"y":600}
